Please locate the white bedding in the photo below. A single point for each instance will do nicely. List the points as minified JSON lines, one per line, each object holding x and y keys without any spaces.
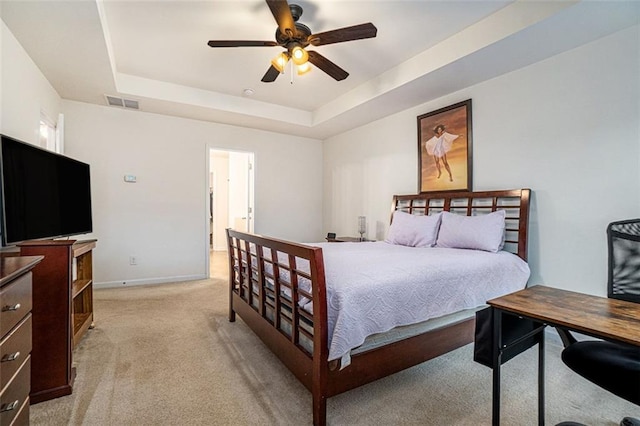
{"x":373,"y":287}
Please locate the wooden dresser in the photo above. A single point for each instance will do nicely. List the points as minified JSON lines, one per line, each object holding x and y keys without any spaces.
{"x":15,"y":343}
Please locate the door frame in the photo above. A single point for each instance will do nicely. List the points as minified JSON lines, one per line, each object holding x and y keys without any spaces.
{"x":208,"y":207}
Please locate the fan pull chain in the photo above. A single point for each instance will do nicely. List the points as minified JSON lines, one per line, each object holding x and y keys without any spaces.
{"x":291,"y":62}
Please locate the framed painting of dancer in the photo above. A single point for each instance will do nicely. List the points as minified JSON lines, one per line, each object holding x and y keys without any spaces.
{"x":444,"y":149}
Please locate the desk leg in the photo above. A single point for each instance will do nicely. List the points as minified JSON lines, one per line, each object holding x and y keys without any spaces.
{"x":497,"y":361}
{"x":541,"y":379}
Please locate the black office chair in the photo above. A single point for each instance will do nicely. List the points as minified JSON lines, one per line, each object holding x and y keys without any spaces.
{"x":613,"y":366}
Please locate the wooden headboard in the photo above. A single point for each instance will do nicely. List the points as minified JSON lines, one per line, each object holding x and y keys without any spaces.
{"x":515,"y":202}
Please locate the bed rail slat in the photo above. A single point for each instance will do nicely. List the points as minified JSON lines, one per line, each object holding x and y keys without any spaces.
{"x":293,"y":274}
{"x":277,"y":291}
{"x":262,"y":294}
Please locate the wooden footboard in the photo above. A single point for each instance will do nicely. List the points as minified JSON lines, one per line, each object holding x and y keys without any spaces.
{"x":274,"y":283}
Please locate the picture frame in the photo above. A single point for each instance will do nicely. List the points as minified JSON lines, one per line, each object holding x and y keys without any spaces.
{"x":445,"y":149}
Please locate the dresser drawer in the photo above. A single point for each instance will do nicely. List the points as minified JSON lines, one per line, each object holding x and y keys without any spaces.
{"x":15,"y":303}
{"x":22,"y":418}
{"x":14,"y":349}
{"x":16,"y":393}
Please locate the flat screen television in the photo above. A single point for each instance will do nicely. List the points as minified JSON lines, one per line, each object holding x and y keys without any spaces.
{"x":43,"y":194}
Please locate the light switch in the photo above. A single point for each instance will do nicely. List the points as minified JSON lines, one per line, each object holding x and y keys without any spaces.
{"x":130,"y":178}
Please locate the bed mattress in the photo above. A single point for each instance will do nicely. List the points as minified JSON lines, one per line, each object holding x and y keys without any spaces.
{"x":373,"y":287}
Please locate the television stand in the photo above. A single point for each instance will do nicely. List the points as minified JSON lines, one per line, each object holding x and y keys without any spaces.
{"x":62,"y":312}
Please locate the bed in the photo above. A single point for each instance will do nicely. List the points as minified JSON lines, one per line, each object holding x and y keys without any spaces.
{"x":288,"y":293}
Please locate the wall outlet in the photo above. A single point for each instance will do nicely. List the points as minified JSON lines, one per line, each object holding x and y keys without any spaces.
{"x":133,"y":260}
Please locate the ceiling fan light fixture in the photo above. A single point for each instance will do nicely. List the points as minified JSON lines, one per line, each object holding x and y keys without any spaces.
{"x":280,"y":61}
{"x":295,"y":37}
{"x":299,"y":55}
{"x":304,"y":68}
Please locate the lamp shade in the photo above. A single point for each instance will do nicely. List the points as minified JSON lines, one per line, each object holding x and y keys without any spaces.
{"x":280,"y":61}
{"x":299,"y":55}
{"x":304,"y":68}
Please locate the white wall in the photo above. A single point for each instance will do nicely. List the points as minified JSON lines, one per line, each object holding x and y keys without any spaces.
{"x":567,"y":127}
{"x":24,"y":92}
{"x":162,"y":218}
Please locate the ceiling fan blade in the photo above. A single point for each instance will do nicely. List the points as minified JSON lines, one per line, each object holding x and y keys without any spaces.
{"x":240,"y":43}
{"x":356,"y":32}
{"x":327,"y":66}
{"x":271,"y":75}
{"x":282,"y":13}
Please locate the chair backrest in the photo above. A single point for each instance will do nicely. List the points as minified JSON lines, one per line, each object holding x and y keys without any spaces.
{"x":624,"y":260}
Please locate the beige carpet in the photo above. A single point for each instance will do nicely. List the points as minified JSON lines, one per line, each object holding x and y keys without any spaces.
{"x":167,"y":355}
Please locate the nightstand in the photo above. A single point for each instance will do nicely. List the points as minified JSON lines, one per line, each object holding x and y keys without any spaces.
{"x":347,"y":240}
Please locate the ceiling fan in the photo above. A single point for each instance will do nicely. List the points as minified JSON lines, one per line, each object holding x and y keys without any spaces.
{"x":295,"y":37}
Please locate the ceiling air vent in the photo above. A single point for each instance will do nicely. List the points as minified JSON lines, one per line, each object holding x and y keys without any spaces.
{"x":121,"y":102}
{"x":129,"y":103}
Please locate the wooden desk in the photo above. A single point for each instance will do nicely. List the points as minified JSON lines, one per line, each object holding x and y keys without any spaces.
{"x":600,"y":317}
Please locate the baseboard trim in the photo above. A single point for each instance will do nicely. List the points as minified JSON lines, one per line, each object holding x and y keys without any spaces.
{"x":148,"y":281}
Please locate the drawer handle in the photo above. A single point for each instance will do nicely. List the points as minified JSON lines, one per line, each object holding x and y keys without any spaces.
{"x":11,"y":357}
{"x":11,"y":308}
{"x":9,"y":407}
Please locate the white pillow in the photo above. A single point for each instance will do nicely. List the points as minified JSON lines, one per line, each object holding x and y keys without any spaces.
{"x":484,"y":232}
{"x":414,"y":231}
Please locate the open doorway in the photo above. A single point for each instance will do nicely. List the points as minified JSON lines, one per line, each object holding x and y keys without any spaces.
{"x":230,"y":201}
